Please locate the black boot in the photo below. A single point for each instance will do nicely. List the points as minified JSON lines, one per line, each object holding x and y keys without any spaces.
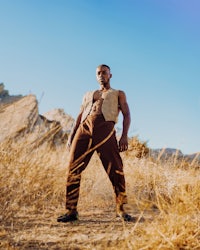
{"x":122,"y":214}
{"x":70,"y":216}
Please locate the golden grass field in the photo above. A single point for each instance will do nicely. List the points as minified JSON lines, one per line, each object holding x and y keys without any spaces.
{"x":32,"y":183}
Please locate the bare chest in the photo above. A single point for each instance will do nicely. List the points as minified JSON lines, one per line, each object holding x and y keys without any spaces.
{"x":98,"y":95}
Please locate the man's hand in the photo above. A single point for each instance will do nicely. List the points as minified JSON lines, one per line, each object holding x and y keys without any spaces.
{"x":69,"y":142}
{"x":123,"y":143}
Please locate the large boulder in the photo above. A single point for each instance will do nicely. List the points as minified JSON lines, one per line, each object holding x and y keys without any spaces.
{"x":21,"y":122}
{"x":59,"y":115}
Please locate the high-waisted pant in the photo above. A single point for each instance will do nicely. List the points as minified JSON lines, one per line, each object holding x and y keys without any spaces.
{"x":95,"y":134}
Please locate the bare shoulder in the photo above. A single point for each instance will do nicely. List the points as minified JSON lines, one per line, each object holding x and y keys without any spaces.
{"x":122,"y":96}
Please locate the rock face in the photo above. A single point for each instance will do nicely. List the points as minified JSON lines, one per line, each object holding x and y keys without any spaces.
{"x":18,"y":117}
{"x":20,"y":122}
{"x":59,"y":115}
{"x":5,"y":98}
{"x":28,"y":137}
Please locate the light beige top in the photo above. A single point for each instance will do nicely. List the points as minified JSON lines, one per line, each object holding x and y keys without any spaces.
{"x":99,"y":102}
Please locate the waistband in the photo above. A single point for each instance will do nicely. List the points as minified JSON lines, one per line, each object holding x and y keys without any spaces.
{"x":95,"y":117}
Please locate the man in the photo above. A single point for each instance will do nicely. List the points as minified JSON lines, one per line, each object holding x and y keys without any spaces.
{"x":94,"y":131}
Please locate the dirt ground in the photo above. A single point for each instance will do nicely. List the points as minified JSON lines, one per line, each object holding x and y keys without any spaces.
{"x":97,"y":230}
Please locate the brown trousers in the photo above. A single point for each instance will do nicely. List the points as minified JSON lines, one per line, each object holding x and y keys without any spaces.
{"x":95,"y":134}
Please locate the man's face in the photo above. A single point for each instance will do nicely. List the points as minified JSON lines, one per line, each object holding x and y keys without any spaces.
{"x":103,"y":76}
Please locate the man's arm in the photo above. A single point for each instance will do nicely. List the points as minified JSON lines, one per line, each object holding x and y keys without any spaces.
{"x":73,"y":132}
{"x":123,"y":142}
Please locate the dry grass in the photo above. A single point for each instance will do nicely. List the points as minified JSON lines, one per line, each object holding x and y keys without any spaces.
{"x":32,"y":186}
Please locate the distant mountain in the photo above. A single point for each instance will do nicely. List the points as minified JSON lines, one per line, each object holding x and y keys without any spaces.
{"x":166,"y":153}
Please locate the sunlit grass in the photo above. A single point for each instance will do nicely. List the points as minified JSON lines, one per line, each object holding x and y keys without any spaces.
{"x":32,"y":186}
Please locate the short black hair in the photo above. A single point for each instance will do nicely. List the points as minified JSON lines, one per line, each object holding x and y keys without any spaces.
{"x":104,"y":65}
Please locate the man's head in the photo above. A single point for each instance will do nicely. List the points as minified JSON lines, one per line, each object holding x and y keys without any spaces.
{"x":103,"y":75}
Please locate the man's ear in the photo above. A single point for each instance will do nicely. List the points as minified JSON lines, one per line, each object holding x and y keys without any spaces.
{"x":110,"y":75}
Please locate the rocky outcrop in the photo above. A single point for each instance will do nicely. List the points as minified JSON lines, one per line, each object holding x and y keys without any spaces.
{"x":5,"y":98}
{"x":30,"y":138}
{"x":59,"y":115}
{"x":20,"y":122}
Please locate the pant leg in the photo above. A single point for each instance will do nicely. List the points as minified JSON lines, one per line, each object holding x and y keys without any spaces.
{"x":78,"y":161}
{"x":111,"y":159}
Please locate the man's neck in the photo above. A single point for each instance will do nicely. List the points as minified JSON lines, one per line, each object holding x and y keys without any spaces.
{"x":104,"y":89}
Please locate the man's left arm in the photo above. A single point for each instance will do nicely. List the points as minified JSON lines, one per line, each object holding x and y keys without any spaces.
{"x":123,"y":142}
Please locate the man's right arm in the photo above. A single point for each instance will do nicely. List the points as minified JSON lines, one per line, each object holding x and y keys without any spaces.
{"x":73,"y":132}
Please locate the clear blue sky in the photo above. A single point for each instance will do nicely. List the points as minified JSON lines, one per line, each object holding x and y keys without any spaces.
{"x":51,"y":48}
